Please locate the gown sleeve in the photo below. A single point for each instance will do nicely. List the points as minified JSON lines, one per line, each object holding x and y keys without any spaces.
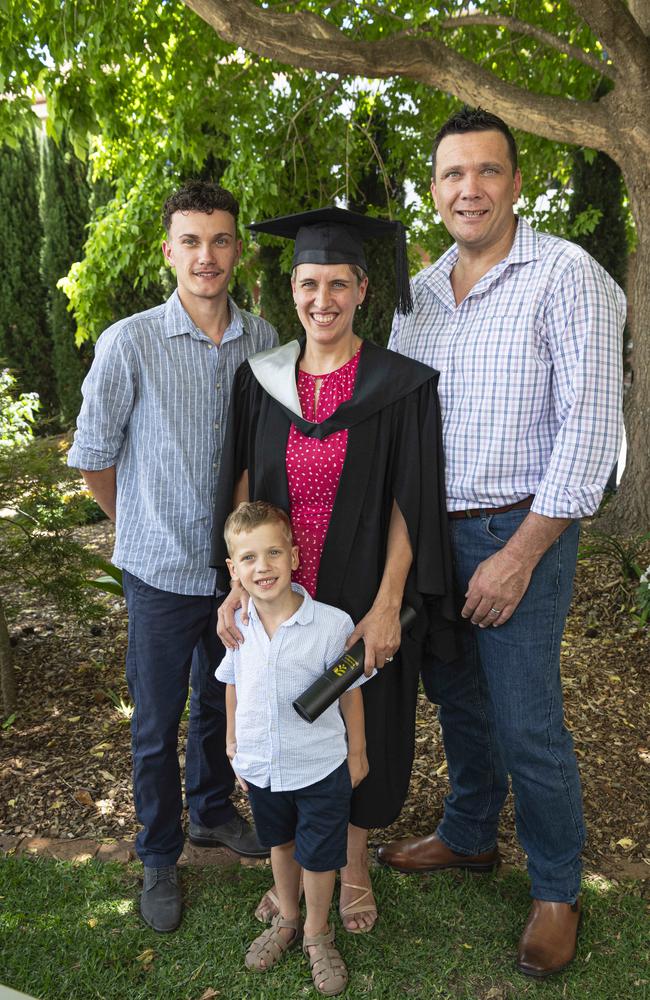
{"x":419,"y":489}
{"x":237,"y":455}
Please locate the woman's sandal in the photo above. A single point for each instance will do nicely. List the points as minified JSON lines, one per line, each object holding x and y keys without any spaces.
{"x":262,"y":912}
{"x":271,"y":945}
{"x":358,"y":905}
{"x":327,"y":967}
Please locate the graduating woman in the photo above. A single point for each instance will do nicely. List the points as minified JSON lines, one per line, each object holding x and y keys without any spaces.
{"x":346,"y":437}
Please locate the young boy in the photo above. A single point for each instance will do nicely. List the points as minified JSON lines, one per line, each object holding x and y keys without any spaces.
{"x":299,"y":776}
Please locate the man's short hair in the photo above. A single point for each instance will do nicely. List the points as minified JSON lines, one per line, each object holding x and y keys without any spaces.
{"x":250,"y":515}
{"x":474,"y":120}
{"x":199,"y":196}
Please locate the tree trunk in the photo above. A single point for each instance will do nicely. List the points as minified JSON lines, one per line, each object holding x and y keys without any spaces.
{"x":7,"y":676}
{"x":629,"y":512}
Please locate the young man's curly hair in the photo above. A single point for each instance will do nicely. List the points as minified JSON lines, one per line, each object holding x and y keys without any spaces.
{"x":199,"y":196}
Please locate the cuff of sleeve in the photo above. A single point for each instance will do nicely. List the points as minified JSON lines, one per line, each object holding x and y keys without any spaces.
{"x":89,"y":460}
{"x":224,"y":674}
{"x":567,"y":501}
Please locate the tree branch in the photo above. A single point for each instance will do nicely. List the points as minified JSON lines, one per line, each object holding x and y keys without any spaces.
{"x":546,"y":37}
{"x":308,"y":41}
{"x":618,"y":33}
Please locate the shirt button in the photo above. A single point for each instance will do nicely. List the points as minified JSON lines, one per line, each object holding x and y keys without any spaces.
{"x":218,"y":385}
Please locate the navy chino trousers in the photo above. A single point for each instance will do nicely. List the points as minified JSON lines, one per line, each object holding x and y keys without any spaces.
{"x":172,"y":637}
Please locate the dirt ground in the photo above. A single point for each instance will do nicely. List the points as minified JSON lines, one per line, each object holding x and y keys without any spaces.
{"x":65,"y":760}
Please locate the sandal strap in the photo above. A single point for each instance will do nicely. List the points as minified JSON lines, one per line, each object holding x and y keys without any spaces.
{"x":358,"y":905}
{"x":270,"y":946}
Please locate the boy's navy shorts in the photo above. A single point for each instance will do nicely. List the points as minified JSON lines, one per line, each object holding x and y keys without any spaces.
{"x":316,"y":817}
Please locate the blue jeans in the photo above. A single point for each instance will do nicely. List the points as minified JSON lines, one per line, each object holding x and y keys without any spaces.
{"x":168,"y":635}
{"x":501,"y":714}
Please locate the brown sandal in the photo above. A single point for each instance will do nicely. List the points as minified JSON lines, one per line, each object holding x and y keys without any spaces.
{"x":327,"y":967}
{"x":270,"y":946}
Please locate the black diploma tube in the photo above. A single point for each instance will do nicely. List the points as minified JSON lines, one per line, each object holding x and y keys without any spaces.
{"x":327,"y":688}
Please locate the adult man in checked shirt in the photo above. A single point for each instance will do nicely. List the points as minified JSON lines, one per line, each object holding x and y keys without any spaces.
{"x":148,"y":443}
{"x":525,"y":330}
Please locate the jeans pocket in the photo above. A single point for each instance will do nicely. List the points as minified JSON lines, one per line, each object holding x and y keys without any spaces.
{"x":501,"y":527}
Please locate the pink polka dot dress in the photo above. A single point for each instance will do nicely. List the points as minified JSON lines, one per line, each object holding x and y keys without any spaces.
{"x":314,"y":467}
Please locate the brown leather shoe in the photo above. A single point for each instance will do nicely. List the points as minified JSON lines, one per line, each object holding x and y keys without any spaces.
{"x":548,"y":943}
{"x":429,"y":854}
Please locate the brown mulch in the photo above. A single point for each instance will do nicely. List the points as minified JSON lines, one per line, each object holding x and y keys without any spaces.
{"x":65,"y":760}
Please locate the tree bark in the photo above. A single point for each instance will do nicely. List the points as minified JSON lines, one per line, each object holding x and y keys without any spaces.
{"x":617,"y":124}
{"x":7,"y":676}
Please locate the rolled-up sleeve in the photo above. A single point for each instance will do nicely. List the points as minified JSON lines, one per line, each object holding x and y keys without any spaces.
{"x":584,"y":320}
{"x":109,"y":392}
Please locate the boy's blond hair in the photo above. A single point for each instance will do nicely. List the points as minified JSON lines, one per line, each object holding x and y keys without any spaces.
{"x":250,"y":515}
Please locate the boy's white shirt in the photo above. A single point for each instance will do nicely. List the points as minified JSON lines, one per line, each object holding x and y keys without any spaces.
{"x":274,"y":745}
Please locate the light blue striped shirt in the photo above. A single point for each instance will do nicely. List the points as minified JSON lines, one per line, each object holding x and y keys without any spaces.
{"x":275,"y":746}
{"x":531,"y":378}
{"x":155,"y":405}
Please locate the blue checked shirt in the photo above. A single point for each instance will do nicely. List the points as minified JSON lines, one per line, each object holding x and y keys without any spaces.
{"x":155,"y":405}
{"x":530,"y":375}
{"x":274,"y":745}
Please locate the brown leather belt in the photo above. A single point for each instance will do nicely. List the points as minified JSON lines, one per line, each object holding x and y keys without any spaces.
{"x":456,"y":515}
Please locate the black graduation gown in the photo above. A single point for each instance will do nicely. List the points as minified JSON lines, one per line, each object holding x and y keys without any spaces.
{"x":394,"y":452}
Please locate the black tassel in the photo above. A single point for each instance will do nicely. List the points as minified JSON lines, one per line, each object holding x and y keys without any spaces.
{"x":402,"y":281}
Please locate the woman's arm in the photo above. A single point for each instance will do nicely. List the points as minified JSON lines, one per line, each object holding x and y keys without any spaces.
{"x":380,"y":628}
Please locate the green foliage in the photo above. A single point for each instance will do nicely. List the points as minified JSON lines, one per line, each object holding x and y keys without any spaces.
{"x":629,"y":556}
{"x":152,"y":95}
{"x":643,"y":597}
{"x":597,"y":211}
{"x":110,"y":582}
{"x":64,"y":208}
{"x":41,"y":505}
{"x":24,"y":339}
{"x":17,"y":412}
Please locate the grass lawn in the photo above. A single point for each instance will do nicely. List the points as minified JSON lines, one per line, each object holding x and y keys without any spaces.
{"x":72,"y":932}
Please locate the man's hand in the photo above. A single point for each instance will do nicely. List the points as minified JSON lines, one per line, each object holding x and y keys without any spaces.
{"x":358,"y":767}
{"x":227,"y":631}
{"x":381,"y":633}
{"x":498,"y":585}
{"x":500,"y":582}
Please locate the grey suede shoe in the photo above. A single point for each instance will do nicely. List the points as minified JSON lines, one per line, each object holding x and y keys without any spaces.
{"x":161,"y":903}
{"x":236,"y":834}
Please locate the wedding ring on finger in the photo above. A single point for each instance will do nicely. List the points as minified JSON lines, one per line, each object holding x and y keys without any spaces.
{"x":494,"y":612}
{"x":389,"y":659}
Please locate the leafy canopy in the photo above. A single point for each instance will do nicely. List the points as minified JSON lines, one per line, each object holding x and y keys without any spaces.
{"x":152,"y":95}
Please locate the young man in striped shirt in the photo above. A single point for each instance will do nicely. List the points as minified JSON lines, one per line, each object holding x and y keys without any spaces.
{"x":148,"y":443}
{"x":525,"y":329}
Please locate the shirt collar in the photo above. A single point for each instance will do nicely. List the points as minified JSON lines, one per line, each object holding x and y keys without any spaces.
{"x":303,"y":616}
{"x":525,"y":248}
{"x":178,"y":321}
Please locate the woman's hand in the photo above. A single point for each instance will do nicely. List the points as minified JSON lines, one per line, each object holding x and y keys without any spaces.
{"x":227,"y":631}
{"x":358,"y":767}
{"x":381,"y":633}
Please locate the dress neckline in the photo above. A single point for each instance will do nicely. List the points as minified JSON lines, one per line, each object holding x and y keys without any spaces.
{"x":335,"y":371}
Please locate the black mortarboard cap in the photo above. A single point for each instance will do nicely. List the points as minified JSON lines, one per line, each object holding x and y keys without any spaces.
{"x":335,"y":236}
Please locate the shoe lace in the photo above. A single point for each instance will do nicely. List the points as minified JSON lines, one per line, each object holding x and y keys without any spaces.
{"x":166,"y":874}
